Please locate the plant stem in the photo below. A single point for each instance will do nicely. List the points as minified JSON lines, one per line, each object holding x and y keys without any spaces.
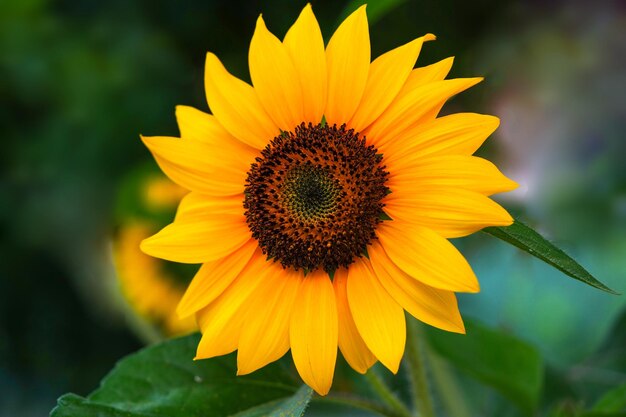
{"x":421,"y":391}
{"x":447,"y":387}
{"x":385,"y":394}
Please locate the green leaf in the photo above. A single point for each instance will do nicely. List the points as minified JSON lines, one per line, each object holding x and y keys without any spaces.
{"x":525,"y":238}
{"x":295,"y":405}
{"x":613,"y":401}
{"x":500,"y":360}
{"x":165,"y":381}
{"x":376,"y":9}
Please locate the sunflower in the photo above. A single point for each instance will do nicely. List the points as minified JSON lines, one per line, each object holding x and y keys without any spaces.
{"x":321,"y":200}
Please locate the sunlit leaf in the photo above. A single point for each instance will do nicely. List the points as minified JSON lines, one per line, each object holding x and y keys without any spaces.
{"x":520,"y":235}
{"x":500,"y":360}
{"x":164,"y":381}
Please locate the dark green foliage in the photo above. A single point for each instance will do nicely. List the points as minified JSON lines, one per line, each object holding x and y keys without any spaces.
{"x":163,"y":380}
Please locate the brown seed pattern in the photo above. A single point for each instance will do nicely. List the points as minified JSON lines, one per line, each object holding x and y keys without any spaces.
{"x":313,"y":197}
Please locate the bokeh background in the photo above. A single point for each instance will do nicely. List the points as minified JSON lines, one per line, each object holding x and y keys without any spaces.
{"x":81,"y":79}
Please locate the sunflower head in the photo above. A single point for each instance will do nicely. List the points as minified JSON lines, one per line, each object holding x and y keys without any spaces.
{"x":321,"y":199}
{"x":314,"y":197}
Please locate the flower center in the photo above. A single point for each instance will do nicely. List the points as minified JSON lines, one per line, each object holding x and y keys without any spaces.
{"x":313,"y":198}
{"x":310,"y":192}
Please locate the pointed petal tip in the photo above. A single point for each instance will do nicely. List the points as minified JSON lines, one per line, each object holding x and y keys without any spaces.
{"x":360,"y":370}
{"x":150,"y":141}
{"x":322,"y":388}
{"x":508,"y":219}
{"x":456,"y":327}
{"x":241,"y":371}
{"x":513,"y":185}
{"x":182,"y":310}
{"x":447,"y":62}
{"x":198,"y":356}
{"x":212,"y":61}
{"x":429,"y":37}
{"x":260,"y":21}
{"x":180,"y":109}
{"x":472,"y":287}
{"x":361,"y":10}
{"x":461,"y":329}
{"x":146,"y":245}
{"x":393,"y":366}
{"x":307,"y":12}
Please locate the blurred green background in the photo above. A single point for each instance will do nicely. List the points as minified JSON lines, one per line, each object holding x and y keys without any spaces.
{"x":81,"y":79}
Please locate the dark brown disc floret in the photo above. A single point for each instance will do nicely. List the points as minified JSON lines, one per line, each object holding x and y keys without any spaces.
{"x":313,"y":198}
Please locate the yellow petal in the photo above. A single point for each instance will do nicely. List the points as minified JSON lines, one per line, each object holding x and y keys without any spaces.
{"x":458,"y":171}
{"x":379,"y":319}
{"x":213,"y":278}
{"x":425,"y":75}
{"x":196,"y":205}
{"x":275,"y":79}
{"x":313,"y":332}
{"x":351,"y":343}
{"x":387,"y":74}
{"x":305,"y":46}
{"x":428,"y":74}
{"x":222,"y":320}
{"x":409,"y":108}
{"x":455,"y":134}
{"x":265,"y":334}
{"x":348,"y":60}
{"x":430,"y":305}
{"x":236,"y":106}
{"x":426,"y":256}
{"x":217,"y":168}
{"x":196,"y":125}
{"x":201,"y":237}
{"x":451,"y":212}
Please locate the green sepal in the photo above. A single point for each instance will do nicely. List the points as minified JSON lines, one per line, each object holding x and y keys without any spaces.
{"x":384,"y":216}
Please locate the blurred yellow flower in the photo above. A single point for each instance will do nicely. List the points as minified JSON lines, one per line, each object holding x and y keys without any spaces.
{"x":151,"y":290}
{"x":322,"y":198}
